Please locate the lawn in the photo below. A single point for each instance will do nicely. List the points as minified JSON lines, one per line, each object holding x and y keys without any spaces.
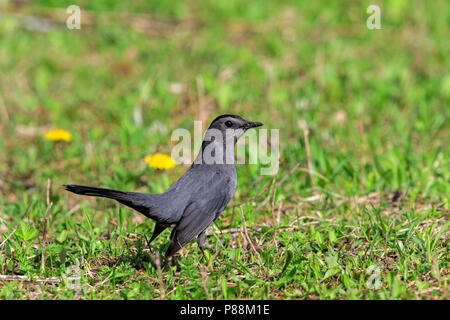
{"x":359,"y":208}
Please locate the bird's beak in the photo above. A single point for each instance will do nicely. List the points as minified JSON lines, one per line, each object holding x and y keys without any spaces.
{"x":251,"y":124}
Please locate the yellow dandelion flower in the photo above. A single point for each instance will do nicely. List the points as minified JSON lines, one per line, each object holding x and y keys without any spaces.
{"x":160,"y":161}
{"x":58,"y":135}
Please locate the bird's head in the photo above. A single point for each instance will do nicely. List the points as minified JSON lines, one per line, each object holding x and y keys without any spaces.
{"x":232,"y":125}
{"x":222,"y":134}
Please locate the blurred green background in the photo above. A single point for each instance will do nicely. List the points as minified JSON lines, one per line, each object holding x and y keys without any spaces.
{"x":375,"y":102}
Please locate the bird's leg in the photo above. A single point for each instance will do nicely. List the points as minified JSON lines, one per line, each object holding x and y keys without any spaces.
{"x":174,"y":246}
{"x":201,"y":243}
{"x":170,"y":262}
{"x":203,"y":252}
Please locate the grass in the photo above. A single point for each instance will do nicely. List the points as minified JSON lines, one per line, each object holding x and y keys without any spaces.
{"x":371,"y":223}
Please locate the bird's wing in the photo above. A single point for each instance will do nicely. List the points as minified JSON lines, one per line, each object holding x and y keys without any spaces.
{"x":200,"y":214}
{"x":197,"y":218}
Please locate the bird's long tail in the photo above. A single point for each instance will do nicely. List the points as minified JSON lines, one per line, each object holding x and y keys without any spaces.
{"x":137,"y":201}
{"x":141,"y":202}
{"x":96,"y":192}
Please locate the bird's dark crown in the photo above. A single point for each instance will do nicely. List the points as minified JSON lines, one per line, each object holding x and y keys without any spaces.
{"x":226,"y":116}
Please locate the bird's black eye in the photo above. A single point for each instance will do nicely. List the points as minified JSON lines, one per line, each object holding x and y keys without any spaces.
{"x":229,"y":124}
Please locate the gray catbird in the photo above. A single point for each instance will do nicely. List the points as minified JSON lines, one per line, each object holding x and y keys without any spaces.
{"x":197,"y":199}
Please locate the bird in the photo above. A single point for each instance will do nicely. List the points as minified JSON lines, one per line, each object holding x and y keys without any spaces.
{"x":198,"y":197}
